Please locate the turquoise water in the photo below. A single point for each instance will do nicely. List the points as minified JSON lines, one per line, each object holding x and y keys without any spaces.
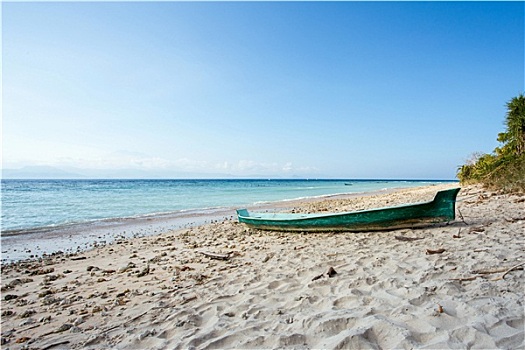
{"x":37,"y":204}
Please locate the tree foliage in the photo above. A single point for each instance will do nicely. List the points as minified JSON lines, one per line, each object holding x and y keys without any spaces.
{"x":505,"y":168}
{"x":514,"y":136}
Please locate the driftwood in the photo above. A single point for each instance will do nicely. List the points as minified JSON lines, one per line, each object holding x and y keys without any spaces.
{"x":408,"y":239}
{"x":481,"y":273}
{"x":216,"y":256}
{"x":509,"y":270}
{"x":503,"y":269}
{"x":437,"y":251}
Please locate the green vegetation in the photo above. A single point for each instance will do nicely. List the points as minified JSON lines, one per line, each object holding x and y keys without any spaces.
{"x":504,"y":169}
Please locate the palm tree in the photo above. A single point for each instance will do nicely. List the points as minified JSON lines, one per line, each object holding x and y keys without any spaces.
{"x":515,"y":121}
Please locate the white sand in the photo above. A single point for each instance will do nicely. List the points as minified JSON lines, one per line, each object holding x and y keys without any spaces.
{"x":160,"y":292}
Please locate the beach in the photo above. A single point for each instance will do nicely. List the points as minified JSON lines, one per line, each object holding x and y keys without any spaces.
{"x":224,"y":285}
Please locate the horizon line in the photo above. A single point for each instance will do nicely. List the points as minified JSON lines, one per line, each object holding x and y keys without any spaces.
{"x":248,"y":178}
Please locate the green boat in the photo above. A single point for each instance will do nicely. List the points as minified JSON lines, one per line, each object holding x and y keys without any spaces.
{"x":441,"y":209}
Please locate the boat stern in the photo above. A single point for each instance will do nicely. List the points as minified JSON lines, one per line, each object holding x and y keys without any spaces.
{"x":445,"y":203}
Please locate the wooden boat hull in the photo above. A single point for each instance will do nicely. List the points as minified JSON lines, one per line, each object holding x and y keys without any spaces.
{"x":441,"y":209}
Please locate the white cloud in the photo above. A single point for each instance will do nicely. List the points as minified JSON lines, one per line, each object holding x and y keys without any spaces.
{"x":114,"y":160}
{"x":246,"y":167}
{"x":288,"y":167}
{"x":186,"y":164}
{"x":136,"y":161}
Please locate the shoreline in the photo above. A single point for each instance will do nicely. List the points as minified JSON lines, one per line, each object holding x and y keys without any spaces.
{"x":69,"y":202}
{"x":223,"y":285}
{"x":204,"y":210}
{"x":78,"y":237}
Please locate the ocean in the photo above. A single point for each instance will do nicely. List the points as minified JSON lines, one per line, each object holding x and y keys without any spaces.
{"x":33,"y":211}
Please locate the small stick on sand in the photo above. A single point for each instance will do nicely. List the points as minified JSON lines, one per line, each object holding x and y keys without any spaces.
{"x":317,"y":277}
{"x":216,"y":256}
{"x":188,"y":299}
{"x":407,"y":239}
{"x":488,"y":272}
{"x":514,"y":219}
{"x":509,"y":270}
{"x":471,"y":278}
{"x":437,"y":251}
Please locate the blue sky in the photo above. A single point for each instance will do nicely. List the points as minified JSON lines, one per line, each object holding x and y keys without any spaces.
{"x":272,"y":89}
